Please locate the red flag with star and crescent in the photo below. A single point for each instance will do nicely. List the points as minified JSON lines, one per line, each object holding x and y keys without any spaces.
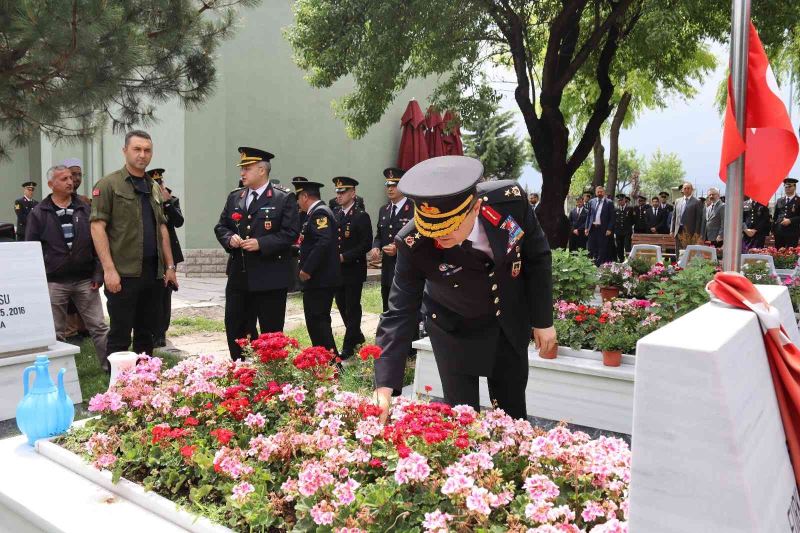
{"x":770,"y":145}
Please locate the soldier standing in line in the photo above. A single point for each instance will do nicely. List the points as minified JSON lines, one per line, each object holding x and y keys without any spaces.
{"x":477,"y":256}
{"x":786,"y":222}
{"x":623,"y":228}
{"x":257,"y":227}
{"x":320,"y":267}
{"x":640,"y":216}
{"x":391,"y":219}
{"x":355,"y":239}
{"x":756,"y":222}
{"x":23,"y":206}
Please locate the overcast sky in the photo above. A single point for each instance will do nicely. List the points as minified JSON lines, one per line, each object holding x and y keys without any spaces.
{"x":692,"y":129}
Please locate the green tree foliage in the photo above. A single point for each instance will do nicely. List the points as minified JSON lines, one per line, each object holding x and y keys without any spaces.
{"x":664,"y":170}
{"x":630,"y":161}
{"x":492,"y":140}
{"x":68,"y":66}
{"x":547,"y":44}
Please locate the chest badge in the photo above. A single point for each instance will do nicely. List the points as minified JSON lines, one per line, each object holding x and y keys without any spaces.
{"x":321,"y":222}
{"x":516,"y":268}
{"x":515,"y":233}
{"x":410,"y":240}
{"x":267,"y":225}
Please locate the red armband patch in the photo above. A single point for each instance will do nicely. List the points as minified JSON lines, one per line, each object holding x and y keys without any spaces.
{"x":95,"y":192}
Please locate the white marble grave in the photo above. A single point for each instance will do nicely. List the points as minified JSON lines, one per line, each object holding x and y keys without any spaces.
{"x":709,"y":451}
{"x":26,"y":325}
{"x":575,"y":387}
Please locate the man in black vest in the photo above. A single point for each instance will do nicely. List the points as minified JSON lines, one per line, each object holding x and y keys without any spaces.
{"x":355,"y":240}
{"x":257,"y":228}
{"x":478,"y":258}
{"x":391,"y":218}
{"x":320,"y":268}
{"x":23,"y":206}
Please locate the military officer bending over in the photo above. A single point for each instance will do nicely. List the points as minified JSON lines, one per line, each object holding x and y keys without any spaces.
{"x":477,"y":257}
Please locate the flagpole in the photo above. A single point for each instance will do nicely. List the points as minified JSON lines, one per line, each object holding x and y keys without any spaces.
{"x":734,"y":190}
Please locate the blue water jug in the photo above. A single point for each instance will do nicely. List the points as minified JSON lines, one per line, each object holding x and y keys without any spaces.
{"x":45,"y":410}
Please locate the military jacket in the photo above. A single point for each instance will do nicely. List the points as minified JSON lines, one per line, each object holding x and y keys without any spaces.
{"x":272,"y":220}
{"x":756,"y":216}
{"x":787,"y":208}
{"x":319,"y":248}
{"x":640,"y":219}
{"x":355,"y":240}
{"x":469,"y":299}
{"x":23,"y":207}
{"x":623,"y":220}
{"x":386,"y":230}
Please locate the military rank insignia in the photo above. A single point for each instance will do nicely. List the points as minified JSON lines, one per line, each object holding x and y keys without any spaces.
{"x":516,"y":268}
{"x":321,"y":222}
{"x":515,"y":233}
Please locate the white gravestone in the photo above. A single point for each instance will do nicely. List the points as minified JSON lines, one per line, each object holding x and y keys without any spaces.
{"x":26,"y":325}
{"x":709,"y":452}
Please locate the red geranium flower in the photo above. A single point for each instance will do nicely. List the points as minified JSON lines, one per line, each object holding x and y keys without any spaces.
{"x":580,"y":318}
{"x":428,"y":388}
{"x":188,"y":451}
{"x":191,"y":421}
{"x":375,"y":463}
{"x":223,"y":435}
{"x":369,"y":350}
{"x":236,"y":217}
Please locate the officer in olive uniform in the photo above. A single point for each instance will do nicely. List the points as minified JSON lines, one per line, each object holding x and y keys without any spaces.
{"x":320,"y":270}
{"x":391,"y":218}
{"x":23,"y":206}
{"x":257,"y":228}
{"x":786,"y":221}
{"x":756,"y":222}
{"x":623,"y":228}
{"x":477,"y":256}
{"x":355,"y":240}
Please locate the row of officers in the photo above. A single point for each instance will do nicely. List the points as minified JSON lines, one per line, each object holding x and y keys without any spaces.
{"x":655,"y":217}
{"x":264,"y":228}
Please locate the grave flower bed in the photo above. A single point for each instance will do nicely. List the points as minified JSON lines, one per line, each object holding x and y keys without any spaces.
{"x":784,"y":258}
{"x":273,"y":444}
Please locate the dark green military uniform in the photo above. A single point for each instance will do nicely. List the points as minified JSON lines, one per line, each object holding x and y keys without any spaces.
{"x":482,"y":298}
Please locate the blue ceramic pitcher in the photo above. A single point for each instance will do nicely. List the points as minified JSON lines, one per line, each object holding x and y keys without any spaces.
{"x":45,"y":410}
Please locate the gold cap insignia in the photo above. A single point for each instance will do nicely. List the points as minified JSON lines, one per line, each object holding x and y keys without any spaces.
{"x":428,"y":209}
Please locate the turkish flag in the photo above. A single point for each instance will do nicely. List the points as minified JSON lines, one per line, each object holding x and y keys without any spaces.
{"x":770,"y":144}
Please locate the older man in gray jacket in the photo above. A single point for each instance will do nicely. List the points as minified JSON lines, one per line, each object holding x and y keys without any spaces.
{"x":688,"y":216}
{"x":713,"y":219}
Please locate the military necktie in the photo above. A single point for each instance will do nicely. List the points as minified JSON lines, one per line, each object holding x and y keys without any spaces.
{"x":252,"y":202}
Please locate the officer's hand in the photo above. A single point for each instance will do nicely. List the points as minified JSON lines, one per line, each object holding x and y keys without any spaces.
{"x":545,"y":339}
{"x":383,"y":399}
{"x":165,"y":194}
{"x":341,"y":258}
{"x":586,"y":232}
{"x":785,"y":222}
{"x":374,"y":254}
{"x":390,"y":249}
{"x":251,"y":245}
{"x":574,"y":232}
{"x":303,"y":276}
{"x":608,"y":233}
{"x":719,"y":239}
{"x":235,"y":241}
{"x":170,"y":276}
{"x":112,"y":281}
{"x":652,"y":230}
{"x":749,"y":232}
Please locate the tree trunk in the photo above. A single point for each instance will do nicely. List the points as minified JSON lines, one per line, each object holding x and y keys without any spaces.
{"x":613,"y":143}
{"x":599,"y":177}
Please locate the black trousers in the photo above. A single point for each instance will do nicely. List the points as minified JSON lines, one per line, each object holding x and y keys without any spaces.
{"x":622,"y":245}
{"x":785,"y":241}
{"x":577,"y":242}
{"x":348,"y":300}
{"x":243,"y":307}
{"x":506,"y":384}
{"x":132,"y":309}
{"x":164,"y":312}
{"x":598,"y":245}
{"x":317,"y":305}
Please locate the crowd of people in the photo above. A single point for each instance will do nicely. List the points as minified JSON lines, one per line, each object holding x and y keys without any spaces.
{"x":606,"y":230}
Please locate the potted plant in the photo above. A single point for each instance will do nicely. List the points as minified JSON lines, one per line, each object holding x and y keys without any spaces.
{"x":574,"y":276}
{"x":612,"y":278}
{"x":612,"y":339}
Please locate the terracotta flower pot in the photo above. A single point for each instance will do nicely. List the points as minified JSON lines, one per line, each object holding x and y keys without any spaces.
{"x":612,"y":357}
{"x":549,"y":355}
{"x":607,"y":293}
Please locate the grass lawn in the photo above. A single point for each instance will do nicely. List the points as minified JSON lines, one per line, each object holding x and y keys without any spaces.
{"x":194,"y":324}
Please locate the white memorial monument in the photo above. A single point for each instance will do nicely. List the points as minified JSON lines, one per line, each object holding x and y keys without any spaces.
{"x":26,"y":325}
{"x":709,"y":451}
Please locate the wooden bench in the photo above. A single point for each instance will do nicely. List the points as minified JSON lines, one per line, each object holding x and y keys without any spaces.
{"x":664,"y":240}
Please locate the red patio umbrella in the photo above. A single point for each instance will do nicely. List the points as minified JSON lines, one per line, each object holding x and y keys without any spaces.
{"x":433,"y":137}
{"x":412,"y":143}
{"x":452,"y":139}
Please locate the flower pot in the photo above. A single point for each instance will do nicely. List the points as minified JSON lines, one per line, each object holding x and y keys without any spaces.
{"x":608,"y":293}
{"x":552,"y":354}
{"x":612,"y":357}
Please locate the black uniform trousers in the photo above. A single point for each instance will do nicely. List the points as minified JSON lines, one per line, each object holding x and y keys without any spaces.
{"x":506,"y":384}
{"x":317,"y":303}
{"x":622,"y":245}
{"x":387,"y":275}
{"x":132,"y":308}
{"x":348,"y":300}
{"x":577,"y":242}
{"x":786,"y":241}
{"x":164,"y":313}
{"x":243,"y":307}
